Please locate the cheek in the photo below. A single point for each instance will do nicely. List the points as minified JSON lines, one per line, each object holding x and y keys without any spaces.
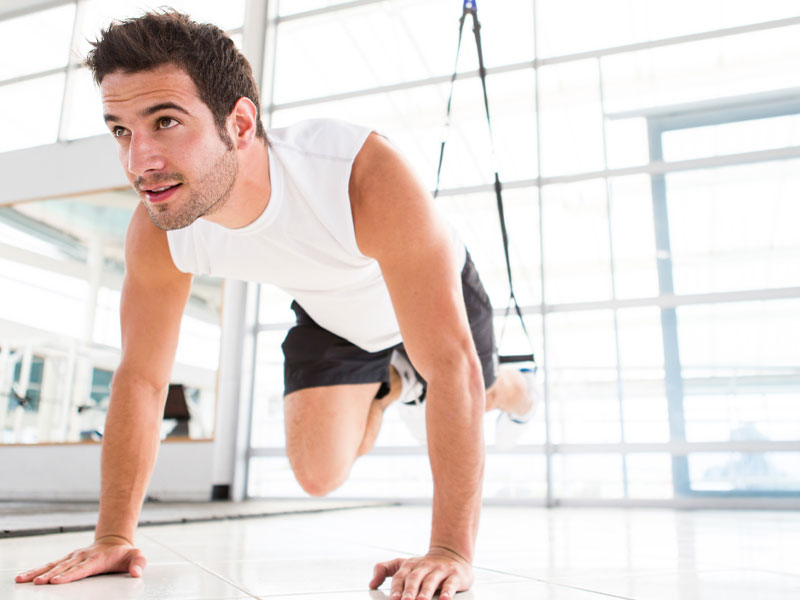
{"x":122,"y":153}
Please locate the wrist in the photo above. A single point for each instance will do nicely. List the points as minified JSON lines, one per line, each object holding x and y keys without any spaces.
{"x":113,"y":535}
{"x":449,"y":552}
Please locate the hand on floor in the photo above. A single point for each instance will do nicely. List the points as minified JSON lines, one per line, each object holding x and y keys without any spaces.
{"x":106,"y":555}
{"x":418,"y":578}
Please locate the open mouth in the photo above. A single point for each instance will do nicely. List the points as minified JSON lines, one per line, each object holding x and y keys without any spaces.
{"x":162,"y":193}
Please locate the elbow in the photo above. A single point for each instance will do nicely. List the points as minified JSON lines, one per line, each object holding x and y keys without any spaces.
{"x":461,"y":367}
{"x":130,"y":382}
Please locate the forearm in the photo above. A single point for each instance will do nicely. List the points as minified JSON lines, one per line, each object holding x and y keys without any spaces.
{"x":130,"y":446}
{"x":454,"y":415}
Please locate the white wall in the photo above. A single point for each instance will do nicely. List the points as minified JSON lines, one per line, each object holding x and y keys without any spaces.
{"x":182,"y":472}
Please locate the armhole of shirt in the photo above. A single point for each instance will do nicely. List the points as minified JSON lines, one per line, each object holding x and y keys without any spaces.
{"x":360,"y":141}
{"x":178,"y":257}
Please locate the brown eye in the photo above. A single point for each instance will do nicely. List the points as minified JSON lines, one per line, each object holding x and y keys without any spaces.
{"x":166,"y":122}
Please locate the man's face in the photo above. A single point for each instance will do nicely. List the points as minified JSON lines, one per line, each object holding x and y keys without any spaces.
{"x":169,"y":145}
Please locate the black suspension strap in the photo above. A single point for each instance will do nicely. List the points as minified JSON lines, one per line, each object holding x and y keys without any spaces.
{"x":471,"y":8}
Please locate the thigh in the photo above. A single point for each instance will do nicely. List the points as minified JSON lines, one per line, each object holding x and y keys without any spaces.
{"x":325,"y":426}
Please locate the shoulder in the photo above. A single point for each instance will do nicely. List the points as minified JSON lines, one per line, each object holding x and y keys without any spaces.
{"x":392,"y":208}
{"x":379,"y":172}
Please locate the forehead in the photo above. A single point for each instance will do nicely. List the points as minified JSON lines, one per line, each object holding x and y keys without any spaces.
{"x":166,"y":83}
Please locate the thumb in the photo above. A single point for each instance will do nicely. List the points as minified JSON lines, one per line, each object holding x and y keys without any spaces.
{"x":137,"y":563}
{"x":384,"y":570}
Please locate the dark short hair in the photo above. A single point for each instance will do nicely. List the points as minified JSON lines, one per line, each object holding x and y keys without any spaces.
{"x":220,"y":72}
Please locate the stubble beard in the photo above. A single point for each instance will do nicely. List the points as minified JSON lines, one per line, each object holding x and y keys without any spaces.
{"x":206,"y":196}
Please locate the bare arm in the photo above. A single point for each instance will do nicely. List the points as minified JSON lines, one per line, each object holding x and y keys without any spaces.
{"x":396,"y":223}
{"x":154,"y":294}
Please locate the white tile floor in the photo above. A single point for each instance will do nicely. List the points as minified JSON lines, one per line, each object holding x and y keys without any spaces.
{"x":561,"y":554}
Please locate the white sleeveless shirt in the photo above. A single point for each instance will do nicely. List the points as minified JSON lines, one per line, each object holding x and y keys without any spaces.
{"x":304,"y":242}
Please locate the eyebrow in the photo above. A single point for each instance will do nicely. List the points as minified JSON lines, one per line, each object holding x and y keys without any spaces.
{"x":150,"y":110}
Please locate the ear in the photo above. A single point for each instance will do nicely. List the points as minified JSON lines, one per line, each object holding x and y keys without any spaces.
{"x":244,"y":118}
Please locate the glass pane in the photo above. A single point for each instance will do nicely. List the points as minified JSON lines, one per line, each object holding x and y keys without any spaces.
{"x":730,"y":66}
{"x":385,"y":43}
{"x":21,"y":48}
{"x":731,"y":138}
{"x":275,"y":306}
{"x":30,"y":293}
{"x":476,"y":220}
{"x":649,"y":476}
{"x":626,"y":142}
{"x":413,"y":119}
{"x":299,"y":6}
{"x":733,"y":228}
{"x":587,"y":476}
{"x":577,"y":264}
{"x":642,"y":368}
{"x":48,"y":308}
{"x":85,"y":115}
{"x":745,"y":471}
{"x":570,"y":117}
{"x":740,"y":370}
{"x":267,"y":422}
{"x":515,"y":476}
{"x":619,"y":22}
{"x":39,"y":103}
{"x":582,"y":377}
{"x":633,"y":237}
{"x":98,"y":14}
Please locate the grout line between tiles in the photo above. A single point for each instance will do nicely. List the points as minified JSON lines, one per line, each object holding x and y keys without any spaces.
{"x":282,"y":595}
{"x":547,"y":582}
{"x":204,"y":568}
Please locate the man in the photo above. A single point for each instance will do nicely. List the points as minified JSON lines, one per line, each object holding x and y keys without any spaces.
{"x":329,"y":212}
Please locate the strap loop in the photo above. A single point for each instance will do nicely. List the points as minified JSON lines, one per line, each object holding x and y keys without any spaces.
{"x":471,"y":8}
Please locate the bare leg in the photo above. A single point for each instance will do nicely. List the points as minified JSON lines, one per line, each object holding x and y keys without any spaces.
{"x":509,"y":393}
{"x":325,"y":427}
{"x":375,"y":416}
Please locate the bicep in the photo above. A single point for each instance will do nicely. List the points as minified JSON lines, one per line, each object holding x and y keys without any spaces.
{"x":154,"y":295}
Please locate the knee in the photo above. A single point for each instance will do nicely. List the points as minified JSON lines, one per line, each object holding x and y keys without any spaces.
{"x":318,"y":475}
{"x":318,"y":483}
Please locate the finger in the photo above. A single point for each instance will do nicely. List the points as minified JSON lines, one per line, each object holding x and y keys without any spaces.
{"x":29,"y":575}
{"x":56,"y":570}
{"x":398,"y":583}
{"x":137,"y":563}
{"x":78,"y":571}
{"x":430,"y":584}
{"x":449,"y":588}
{"x":33,"y":573}
{"x":413,"y":581}
{"x":384,"y":570}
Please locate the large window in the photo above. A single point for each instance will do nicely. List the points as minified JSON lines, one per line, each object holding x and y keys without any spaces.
{"x":648,"y":151}
{"x":46,"y":95}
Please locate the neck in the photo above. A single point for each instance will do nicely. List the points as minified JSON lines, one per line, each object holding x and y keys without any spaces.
{"x":251,"y":191}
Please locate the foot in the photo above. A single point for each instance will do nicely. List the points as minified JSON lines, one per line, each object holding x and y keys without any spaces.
{"x":511,"y":425}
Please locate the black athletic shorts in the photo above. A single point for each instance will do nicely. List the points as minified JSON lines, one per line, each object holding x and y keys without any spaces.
{"x":316,"y":357}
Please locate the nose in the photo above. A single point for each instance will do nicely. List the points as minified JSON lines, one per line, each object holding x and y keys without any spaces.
{"x":144,"y":155}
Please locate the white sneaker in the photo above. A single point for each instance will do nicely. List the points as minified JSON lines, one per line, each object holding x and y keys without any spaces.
{"x":511,"y":426}
{"x":411,"y":403}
